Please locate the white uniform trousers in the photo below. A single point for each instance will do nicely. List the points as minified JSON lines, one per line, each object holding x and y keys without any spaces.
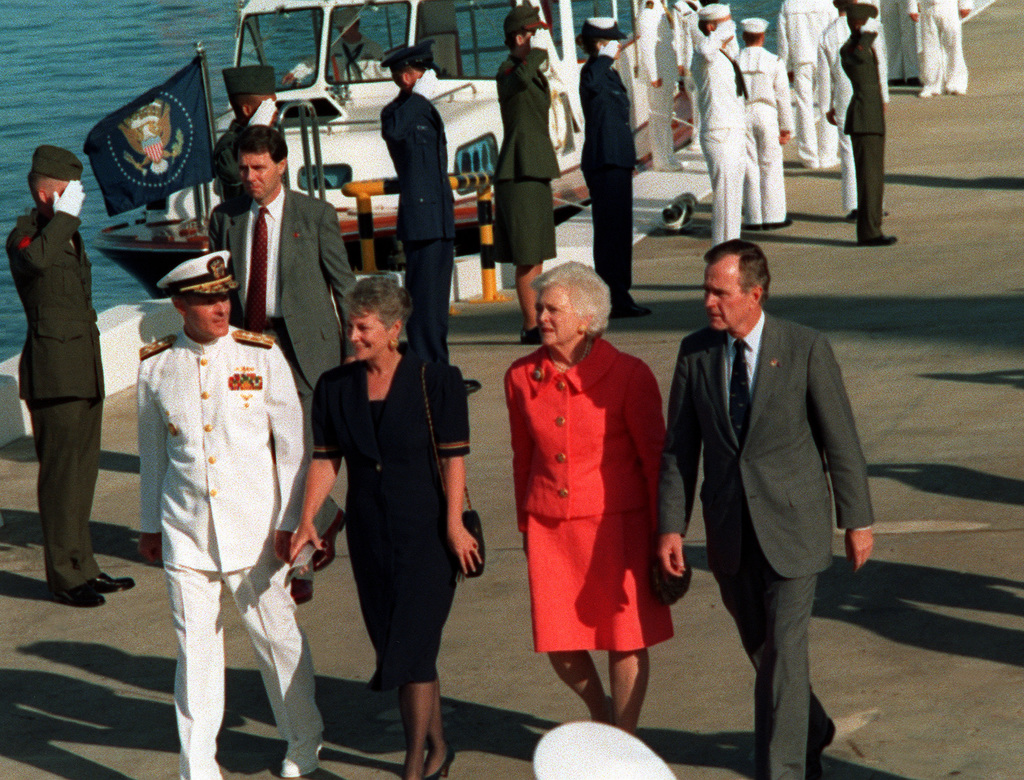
{"x":848,"y":174}
{"x":900,"y":39}
{"x":659,"y":125}
{"x":943,"y":68}
{"x":725,"y":154}
{"x":282,"y":653}
{"x":764,"y":190}
{"x":816,"y":139}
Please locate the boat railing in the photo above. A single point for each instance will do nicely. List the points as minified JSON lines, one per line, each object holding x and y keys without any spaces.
{"x":467,"y":85}
{"x":309,"y":133}
{"x":364,"y":192}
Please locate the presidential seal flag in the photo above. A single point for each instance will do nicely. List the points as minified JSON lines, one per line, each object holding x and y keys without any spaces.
{"x":157,"y":144}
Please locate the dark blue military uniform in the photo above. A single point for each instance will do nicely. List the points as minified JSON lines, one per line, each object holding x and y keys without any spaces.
{"x":414,"y":134}
{"x":608,"y":159}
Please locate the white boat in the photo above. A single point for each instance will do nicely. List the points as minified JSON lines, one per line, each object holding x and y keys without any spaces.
{"x":331,"y":91}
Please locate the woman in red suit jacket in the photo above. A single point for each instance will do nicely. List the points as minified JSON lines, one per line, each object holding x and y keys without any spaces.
{"x":587,"y":434}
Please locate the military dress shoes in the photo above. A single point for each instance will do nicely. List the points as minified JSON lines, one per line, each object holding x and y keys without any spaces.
{"x":633,"y":310}
{"x":777,"y":225}
{"x":104,"y":583}
{"x":878,"y":241}
{"x":812,"y":766}
{"x":83,"y":595}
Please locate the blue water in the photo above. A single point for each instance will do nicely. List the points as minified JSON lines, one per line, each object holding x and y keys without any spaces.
{"x":66,"y":65}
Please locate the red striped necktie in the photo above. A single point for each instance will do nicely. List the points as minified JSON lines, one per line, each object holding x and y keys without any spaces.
{"x":256,"y":292}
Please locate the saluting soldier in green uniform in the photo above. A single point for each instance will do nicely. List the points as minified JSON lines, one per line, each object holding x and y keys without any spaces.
{"x":61,"y":376}
{"x":252,"y":95}
{"x":865,"y":124}
{"x":524,"y":223}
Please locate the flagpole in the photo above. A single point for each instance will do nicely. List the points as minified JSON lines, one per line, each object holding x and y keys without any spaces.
{"x":203,"y":212}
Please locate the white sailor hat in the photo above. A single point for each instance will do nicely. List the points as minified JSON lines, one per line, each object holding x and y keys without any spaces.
{"x":754,"y":25}
{"x":205,"y":275}
{"x":596,"y":751}
{"x":602,"y":27}
{"x":713,"y":12}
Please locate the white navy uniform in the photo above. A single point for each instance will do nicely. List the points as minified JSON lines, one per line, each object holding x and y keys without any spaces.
{"x":221,"y":446}
{"x":658,"y":60}
{"x":685,"y":32}
{"x":835,"y":93}
{"x":943,"y":68}
{"x":901,"y":38}
{"x":768,"y":115}
{"x":723,"y":131}
{"x":801,"y":23}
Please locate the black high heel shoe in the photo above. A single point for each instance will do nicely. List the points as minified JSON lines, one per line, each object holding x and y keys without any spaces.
{"x":442,"y":771}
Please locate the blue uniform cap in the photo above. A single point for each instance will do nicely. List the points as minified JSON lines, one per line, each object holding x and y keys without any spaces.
{"x":602,"y":27}
{"x":418,"y":55}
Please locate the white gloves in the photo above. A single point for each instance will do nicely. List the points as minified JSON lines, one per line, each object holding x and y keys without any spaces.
{"x":264,"y":115}
{"x":300,"y":72}
{"x":428,"y":84}
{"x":610,"y":49}
{"x":70,"y":202}
{"x":725,"y":30}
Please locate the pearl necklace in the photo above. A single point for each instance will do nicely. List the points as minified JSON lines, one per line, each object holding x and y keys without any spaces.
{"x":563,"y":367}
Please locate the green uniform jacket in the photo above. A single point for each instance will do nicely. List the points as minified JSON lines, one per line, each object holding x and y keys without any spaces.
{"x":861,"y":67}
{"x":225,"y":162}
{"x":61,"y":358}
{"x":525,"y":100}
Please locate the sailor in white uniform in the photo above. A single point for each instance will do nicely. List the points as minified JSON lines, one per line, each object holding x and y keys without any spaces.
{"x":221,"y":449}
{"x":769,"y":128}
{"x":685,"y":33}
{"x":901,"y":40}
{"x":835,"y":92}
{"x":943,"y":68}
{"x":801,"y":23}
{"x":723,"y":130}
{"x":659,"y":70}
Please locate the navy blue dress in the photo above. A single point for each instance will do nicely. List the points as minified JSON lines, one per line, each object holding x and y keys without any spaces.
{"x":396,"y":515}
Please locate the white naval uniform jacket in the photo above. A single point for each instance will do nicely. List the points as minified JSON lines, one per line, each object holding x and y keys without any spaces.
{"x":221,"y":445}
{"x":952,"y":7}
{"x":801,"y":23}
{"x":720,"y":107}
{"x":767,"y":83}
{"x":656,"y":45}
{"x":834,"y":90}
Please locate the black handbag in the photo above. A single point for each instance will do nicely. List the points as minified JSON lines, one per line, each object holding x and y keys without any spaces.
{"x":668,"y":588}
{"x":470,"y":517}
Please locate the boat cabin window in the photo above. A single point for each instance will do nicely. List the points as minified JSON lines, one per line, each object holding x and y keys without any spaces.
{"x":287,"y":40}
{"x":468,"y":38}
{"x":360,"y":37}
{"x":582,"y":10}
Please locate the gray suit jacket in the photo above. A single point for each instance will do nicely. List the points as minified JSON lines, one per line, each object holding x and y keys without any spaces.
{"x":801,"y":438}
{"x":313,"y":267}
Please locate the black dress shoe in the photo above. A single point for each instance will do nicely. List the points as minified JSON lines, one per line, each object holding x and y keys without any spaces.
{"x":812,"y":766}
{"x":80,"y":596}
{"x":758,"y":226}
{"x":471,"y":385}
{"x":531,"y":336}
{"x":777,"y":225}
{"x":618,"y":312}
{"x":104,"y":583}
{"x":852,"y":216}
{"x":914,"y":82}
{"x":878,"y":241}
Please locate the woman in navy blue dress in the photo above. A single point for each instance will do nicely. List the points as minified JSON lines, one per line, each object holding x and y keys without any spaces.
{"x":405,"y":534}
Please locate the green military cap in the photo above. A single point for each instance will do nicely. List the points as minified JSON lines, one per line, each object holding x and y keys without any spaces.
{"x":56,"y":163}
{"x":250,"y":80}
{"x":842,"y":5}
{"x":523,"y":17}
{"x":861,"y":11}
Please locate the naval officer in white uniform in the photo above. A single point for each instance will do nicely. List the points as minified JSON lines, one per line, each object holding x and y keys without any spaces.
{"x":659,"y":69}
{"x":900,"y":39}
{"x":835,"y":92}
{"x":723,"y":129}
{"x":685,"y":33}
{"x":221,"y":446}
{"x":769,"y":128}
{"x":943,"y":68}
{"x":801,"y":23}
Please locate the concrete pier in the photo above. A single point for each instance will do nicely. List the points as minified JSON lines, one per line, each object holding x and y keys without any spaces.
{"x":919,"y":657}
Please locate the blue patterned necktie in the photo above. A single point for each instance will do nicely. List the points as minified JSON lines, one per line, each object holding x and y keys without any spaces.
{"x":739,"y":391}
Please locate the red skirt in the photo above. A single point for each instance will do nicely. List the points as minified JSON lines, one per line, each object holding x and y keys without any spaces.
{"x":590,"y":584}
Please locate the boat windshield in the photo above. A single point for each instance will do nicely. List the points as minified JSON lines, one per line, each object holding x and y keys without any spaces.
{"x":287,"y":40}
{"x":360,"y":37}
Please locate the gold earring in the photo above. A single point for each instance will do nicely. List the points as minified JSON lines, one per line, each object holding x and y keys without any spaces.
{"x":581,"y":330}
{"x":393,"y":343}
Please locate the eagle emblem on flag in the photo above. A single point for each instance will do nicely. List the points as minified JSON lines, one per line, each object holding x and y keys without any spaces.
{"x":148,"y":132}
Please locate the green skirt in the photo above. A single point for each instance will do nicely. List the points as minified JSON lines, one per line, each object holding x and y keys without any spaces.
{"x":524,"y":221}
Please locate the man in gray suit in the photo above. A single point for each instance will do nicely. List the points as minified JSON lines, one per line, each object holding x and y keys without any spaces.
{"x":765,"y":399}
{"x":289,"y":259}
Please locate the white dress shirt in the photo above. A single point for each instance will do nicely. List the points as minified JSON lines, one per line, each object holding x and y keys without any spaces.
{"x":241,"y":265}
{"x":220,"y":445}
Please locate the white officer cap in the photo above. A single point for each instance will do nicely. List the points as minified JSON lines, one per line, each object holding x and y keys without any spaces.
{"x":713,"y":12}
{"x":205,"y":275}
{"x":596,"y":751}
{"x":754,"y":25}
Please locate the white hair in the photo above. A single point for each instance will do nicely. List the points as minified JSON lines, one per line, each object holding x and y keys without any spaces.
{"x":588,"y":294}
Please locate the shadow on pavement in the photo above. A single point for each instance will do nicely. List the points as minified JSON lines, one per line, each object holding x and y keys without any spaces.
{"x":957,"y":481}
{"x":1011,"y":377}
{"x":23,"y":530}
